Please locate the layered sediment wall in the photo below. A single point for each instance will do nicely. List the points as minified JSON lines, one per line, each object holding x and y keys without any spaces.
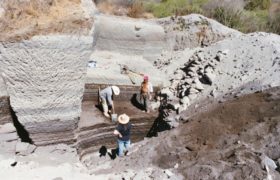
{"x":92,"y":138}
{"x":45,"y":82}
{"x":5,"y":113}
{"x":96,"y":131}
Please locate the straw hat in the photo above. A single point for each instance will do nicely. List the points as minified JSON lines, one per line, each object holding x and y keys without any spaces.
{"x":123,"y":119}
{"x":116,"y":90}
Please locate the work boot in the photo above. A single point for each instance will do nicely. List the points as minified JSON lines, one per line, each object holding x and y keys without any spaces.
{"x":126,"y":153}
{"x":106,"y":114}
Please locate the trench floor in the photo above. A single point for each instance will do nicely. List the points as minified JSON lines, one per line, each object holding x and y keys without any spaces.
{"x":92,"y":115}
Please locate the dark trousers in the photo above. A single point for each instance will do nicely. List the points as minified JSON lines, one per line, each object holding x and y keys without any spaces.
{"x":144,"y":99}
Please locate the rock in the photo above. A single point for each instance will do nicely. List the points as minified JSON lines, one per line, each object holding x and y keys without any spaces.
{"x":192,"y":91}
{"x":174,"y":124}
{"x":178,"y":118}
{"x":219,"y":57}
{"x":197,"y":84}
{"x":192,"y":69}
{"x":191,"y":74}
{"x":209,"y":70}
{"x":24,"y":149}
{"x":185,"y":101}
{"x":168,"y":173}
{"x":167,"y":92}
{"x":7,"y":128}
{"x":182,"y":108}
{"x":200,"y":56}
{"x":176,"y":166}
{"x":188,"y":81}
{"x":192,"y":96}
{"x":154,"y":105}
{"x":210,"y":77}
{"x":178,"y":76}
{"x":171,"y":120}
{"x":266,"y":161}
{"x":176,"y":106}
{"x":225,"y":52}
{"x":137,"y":28}
{"x":213,"y":93}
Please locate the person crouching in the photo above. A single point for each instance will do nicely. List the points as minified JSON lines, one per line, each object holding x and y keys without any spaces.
{"x":106,"y":96}
{"x":123,"y":133}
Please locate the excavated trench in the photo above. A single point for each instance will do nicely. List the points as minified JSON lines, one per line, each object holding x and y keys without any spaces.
{"x":95,"y":130}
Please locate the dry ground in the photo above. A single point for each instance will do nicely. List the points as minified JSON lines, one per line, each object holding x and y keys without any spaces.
{"x":24,"y":19}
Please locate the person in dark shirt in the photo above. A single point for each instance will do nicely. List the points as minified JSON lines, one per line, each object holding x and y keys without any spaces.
{"x":122,"y":131}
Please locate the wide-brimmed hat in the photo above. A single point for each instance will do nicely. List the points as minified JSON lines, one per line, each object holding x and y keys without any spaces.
{"x":123,"y":119}
{"x":116,"y":90}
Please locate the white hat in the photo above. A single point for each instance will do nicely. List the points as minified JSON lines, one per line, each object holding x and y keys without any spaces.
{"x":116,"y":90}
{"x":123,"y":119}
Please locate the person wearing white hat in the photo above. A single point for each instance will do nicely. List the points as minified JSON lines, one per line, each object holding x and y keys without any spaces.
{"x":123,"y":132}
{"x":106,"y":96}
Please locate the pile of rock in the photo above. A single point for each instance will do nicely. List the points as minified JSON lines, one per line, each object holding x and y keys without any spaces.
{"x":232,"y":67}
{"x":191,"y":79}
{"x":194,"y":30}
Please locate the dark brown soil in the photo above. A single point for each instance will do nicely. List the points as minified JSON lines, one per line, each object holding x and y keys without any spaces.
{"x":226,"y":141}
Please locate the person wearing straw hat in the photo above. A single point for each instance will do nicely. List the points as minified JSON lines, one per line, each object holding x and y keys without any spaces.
{"x":123,"y":131}
{"x":106,"y":96}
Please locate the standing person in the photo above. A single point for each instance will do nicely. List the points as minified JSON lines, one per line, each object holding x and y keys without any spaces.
{"x":146,"y":93}
{"x":106,"y":96}
{"x":122,"y":131}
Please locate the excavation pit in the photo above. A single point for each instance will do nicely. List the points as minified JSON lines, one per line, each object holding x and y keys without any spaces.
{"x":95,"y":130}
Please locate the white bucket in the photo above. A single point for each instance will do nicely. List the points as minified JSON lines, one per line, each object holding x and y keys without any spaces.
{"x":114,"y":117}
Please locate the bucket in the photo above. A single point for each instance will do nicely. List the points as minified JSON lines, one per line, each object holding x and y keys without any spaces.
{"x":114,"y":117}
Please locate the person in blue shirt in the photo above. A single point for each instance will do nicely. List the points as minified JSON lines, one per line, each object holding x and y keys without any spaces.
{"x":123,"y":132}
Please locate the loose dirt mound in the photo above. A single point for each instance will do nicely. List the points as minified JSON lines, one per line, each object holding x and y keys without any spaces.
{"x":24,"y":19}
{"x":227,"y":142}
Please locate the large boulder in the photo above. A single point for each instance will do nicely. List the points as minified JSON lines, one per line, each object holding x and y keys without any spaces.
{"x":45,"y":82}
{"x":129,"y":36}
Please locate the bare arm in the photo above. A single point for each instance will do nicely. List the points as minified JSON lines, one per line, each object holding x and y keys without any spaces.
{"x":117,"y":133}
